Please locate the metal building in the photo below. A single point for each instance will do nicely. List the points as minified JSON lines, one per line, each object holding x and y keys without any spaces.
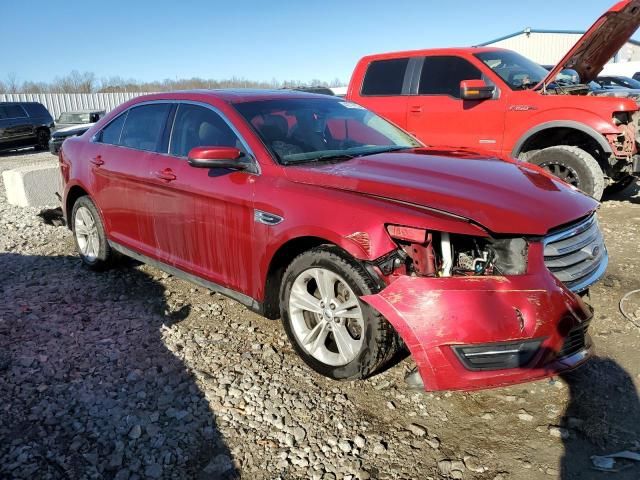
{"x":547,"y":47}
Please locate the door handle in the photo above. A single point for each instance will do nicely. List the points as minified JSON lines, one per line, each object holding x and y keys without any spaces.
{"x":97,"y":160}
{"x":415,"y":109}
{"x":167,"y":175}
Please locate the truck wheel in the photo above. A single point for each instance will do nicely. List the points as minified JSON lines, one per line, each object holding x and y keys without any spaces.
{"x":42,"y":139}
{"x":334,"y":332}
{"x":574,"y":166}
{"x":621,"y":185}
{"x":88,"y":233}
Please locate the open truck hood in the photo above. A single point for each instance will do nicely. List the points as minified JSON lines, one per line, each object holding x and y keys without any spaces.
{"x":507,"y":197}
{"x":601,"y":42}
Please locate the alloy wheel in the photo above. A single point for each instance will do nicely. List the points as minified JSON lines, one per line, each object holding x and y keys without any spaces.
{"x":86,"y":232}
{"x":326,"y":317}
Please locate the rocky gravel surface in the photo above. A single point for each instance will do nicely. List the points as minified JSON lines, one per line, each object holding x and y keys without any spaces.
{"x":132,"y":374}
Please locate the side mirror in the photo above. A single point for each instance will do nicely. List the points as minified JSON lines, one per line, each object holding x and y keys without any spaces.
{"x":217,"y":157}
{"x":476,"y":90}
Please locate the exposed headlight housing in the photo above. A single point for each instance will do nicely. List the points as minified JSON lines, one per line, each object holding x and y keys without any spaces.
{"x":443,"y":254}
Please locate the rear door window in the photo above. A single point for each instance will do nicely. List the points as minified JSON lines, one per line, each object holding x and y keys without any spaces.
{"x":197,"y":126}
{"x":442,"y":75}
{"x":144,"y":126}
{"x":385,"y":77}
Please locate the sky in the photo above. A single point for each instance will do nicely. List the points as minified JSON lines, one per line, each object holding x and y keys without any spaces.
{"x":257,"y":40}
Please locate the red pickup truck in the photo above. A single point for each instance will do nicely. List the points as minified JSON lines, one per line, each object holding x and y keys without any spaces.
{"x":497,"y":100}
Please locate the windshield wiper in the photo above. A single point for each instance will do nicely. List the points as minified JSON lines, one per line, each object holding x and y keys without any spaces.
{"x":320,"y":158}
{"x":334,"y":156}
{"x":385,"y":150}
{"x":345,"y":156}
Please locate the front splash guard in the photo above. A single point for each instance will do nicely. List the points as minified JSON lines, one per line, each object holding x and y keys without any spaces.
{"x":432,"y":314}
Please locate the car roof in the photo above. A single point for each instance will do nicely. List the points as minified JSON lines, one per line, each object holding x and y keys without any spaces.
{"x":20,"y":103}
{"x":232,"y":95}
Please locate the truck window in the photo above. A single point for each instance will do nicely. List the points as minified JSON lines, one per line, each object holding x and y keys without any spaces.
{"x":442,"y":75}
{"x":385,"y":77}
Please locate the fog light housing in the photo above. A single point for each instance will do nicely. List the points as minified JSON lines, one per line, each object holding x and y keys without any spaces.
{"x":498,"y":356}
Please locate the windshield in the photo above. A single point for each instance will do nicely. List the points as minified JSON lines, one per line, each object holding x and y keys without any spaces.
{"x":517,"y":71}
{"x":299,"y":130}
{"x":73,"y":117}
{"x":618,"y":82}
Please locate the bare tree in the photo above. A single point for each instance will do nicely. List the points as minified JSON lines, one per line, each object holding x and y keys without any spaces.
{"x":86,"y":82}
{"x":75,"y":82}
{"x":34,"y":87}
{"x":12,"y":84}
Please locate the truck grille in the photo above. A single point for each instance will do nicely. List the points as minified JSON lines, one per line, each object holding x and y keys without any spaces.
{"x":577,"y":255}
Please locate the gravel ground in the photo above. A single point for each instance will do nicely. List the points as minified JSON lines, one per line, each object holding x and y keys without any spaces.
{"x":132,"y":373}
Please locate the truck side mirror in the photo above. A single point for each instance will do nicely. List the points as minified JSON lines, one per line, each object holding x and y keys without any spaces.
{"x":476,"y":90}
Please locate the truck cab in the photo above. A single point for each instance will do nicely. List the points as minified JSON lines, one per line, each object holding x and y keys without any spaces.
{"x":499,"y":101}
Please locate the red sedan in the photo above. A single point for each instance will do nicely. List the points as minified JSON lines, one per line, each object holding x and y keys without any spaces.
{"x":318,"y":211}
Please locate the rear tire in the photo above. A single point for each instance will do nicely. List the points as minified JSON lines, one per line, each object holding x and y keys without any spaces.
{"x":323,"y":281}
{"x":42,"y":138}
{"x":573,"y":165}
{"x":89,"y":235}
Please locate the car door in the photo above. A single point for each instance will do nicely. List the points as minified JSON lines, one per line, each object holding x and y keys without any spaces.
{"x":438,"y":116}
{"x":120,"y":158}
{"x":203,"y":218}
{"x":17,"y":125}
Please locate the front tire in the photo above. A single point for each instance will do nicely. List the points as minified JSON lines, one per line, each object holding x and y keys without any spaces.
{"x":88,"y":233}
{"x":573,"y":165}
{"x":334,"y":332}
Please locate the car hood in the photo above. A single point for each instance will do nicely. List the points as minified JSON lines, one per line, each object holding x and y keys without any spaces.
{"x":601,"y":42}
{"x":504,"y":196}
{"x":74,"y":129}
{"x":632,"y":93}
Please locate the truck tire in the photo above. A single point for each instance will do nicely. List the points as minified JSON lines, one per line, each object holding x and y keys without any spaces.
{"x":573,"y":165}
{"x":42,"y":139}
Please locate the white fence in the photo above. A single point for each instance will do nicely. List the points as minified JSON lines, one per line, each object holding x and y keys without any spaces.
{"x":57,"y":103}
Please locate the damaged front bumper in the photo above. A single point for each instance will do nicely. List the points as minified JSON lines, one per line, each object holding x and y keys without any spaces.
{"x":513,"y":329}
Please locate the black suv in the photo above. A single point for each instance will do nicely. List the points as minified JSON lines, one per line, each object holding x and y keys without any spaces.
{"x":24,"y":124}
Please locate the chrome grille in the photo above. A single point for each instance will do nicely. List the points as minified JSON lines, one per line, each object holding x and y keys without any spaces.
{"x":577,"y":255}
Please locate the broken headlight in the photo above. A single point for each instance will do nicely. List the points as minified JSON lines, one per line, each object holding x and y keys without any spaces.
{"x":427,"y":253}
{"x":487,"y":256}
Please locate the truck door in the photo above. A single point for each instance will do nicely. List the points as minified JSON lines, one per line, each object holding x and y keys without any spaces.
{"x":384,"y":89}
{"x":438,"y":116}
{"x":16,"y":124}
